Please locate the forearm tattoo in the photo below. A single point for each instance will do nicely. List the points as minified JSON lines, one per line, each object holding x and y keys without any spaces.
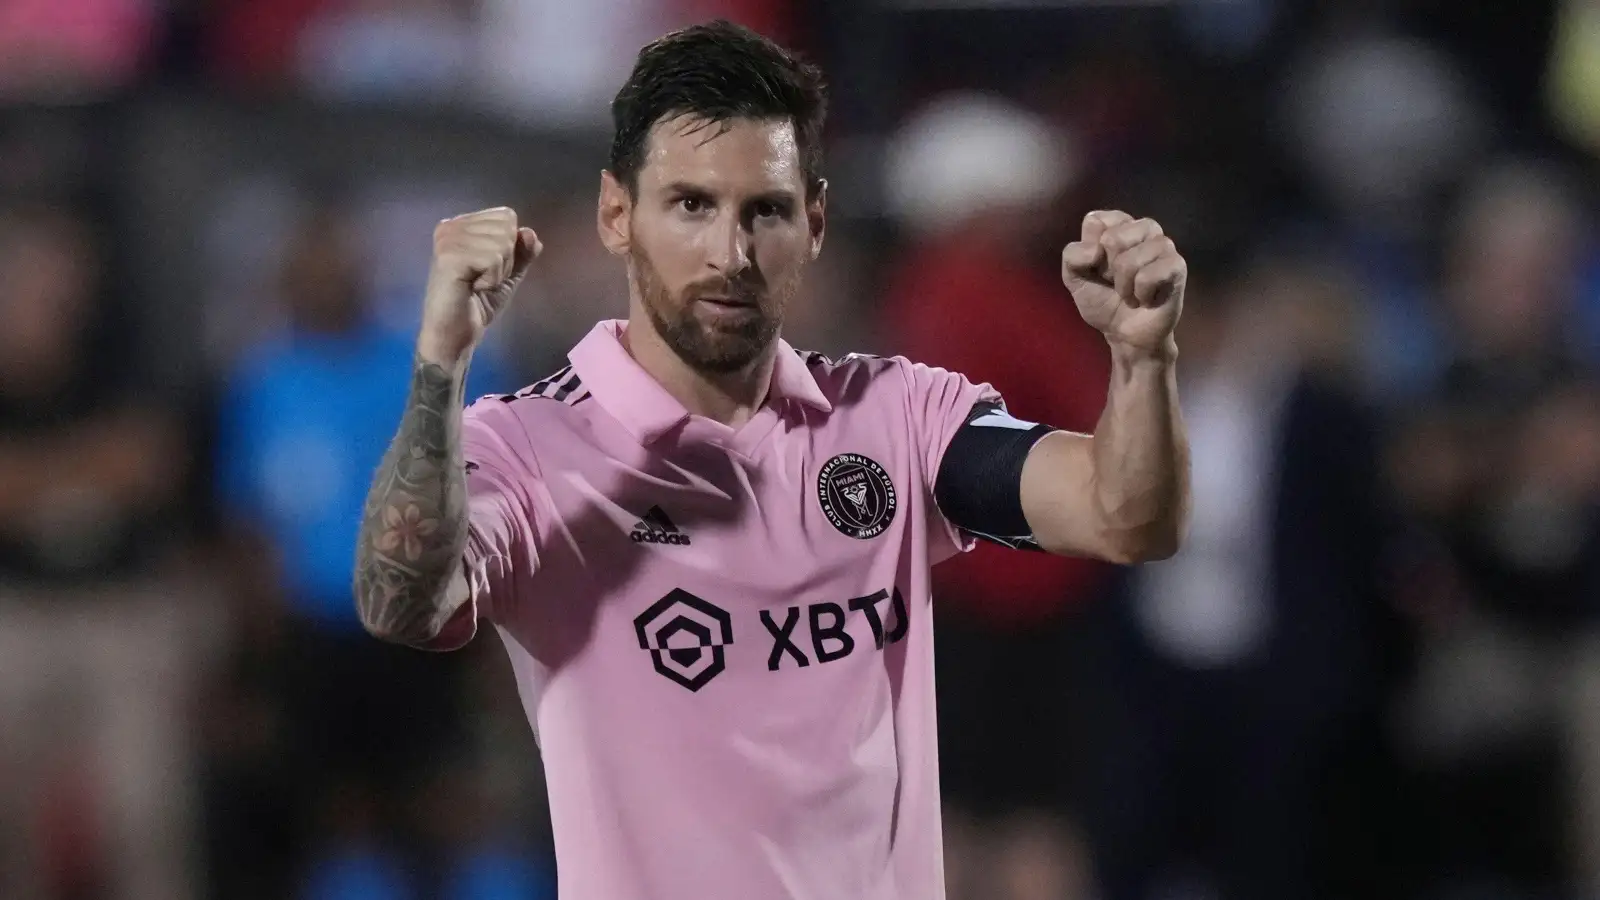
{"x":414,"y":526}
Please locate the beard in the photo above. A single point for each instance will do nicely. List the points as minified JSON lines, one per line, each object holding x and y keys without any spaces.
{"x":720,"y":344}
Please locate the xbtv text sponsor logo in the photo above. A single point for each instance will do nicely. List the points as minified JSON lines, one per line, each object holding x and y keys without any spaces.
{"x":687,"y":635}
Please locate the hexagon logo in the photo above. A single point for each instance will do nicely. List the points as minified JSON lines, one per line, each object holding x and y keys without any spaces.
{"x":685,"y":636}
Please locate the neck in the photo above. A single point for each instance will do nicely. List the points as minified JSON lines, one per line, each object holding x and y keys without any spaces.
{"x":727,"y":397}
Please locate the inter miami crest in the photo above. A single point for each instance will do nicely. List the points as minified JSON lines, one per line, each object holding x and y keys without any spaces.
{"x":856,"y":495}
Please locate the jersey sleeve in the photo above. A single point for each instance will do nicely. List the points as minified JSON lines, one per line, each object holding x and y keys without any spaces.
{"x":503,"y":518}
{"x":940,"y":404}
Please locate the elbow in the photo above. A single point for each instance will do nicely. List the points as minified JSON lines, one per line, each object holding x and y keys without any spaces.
{"x":415,"y":617}
{"x":384,"y":617}
{"x":422,"y":633}
{"x":375,"y":624}
{"x":1162,"y":544}
{"x":1157,"y":538}
{"x":383,"y":631}
{"x":361,"y":594}
{"x":1151,"y":543}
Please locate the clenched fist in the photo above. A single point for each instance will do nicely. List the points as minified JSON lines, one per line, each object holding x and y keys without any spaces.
{"x":478,"y":261}
{"x":1127,"y":279}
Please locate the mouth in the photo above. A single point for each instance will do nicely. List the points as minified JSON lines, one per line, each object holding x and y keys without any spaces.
{"x":726,"y":302}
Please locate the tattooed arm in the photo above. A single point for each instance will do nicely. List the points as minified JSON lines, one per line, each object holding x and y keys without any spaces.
{"x":408,"y":580}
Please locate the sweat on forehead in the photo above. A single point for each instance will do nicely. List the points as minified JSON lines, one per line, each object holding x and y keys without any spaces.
{"x":727,"y":149}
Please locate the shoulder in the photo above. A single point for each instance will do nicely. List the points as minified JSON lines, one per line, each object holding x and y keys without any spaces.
{"x":856,"y":374}
{"x":887,"y":378}
{"x":560,"y":390}
{"x":496,"y":428}
{"x":550,"y":407}
{"x":881,"y":381}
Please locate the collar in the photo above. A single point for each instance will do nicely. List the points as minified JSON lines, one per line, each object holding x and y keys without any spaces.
{"x":633,"y":396}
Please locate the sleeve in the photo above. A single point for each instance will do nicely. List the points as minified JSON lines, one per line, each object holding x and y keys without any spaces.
{"x":503,"y":518}
{"x":940,"y":403}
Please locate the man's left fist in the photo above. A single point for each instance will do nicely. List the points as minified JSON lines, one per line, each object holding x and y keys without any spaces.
{"x":1128,"y":280}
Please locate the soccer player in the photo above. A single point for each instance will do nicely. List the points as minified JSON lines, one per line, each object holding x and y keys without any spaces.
{"x":708,"y":553}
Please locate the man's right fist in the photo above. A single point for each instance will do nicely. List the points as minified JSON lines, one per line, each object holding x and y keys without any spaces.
{"x":478,"y":261}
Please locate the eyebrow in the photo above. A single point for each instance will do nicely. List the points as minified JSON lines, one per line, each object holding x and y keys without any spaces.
{"x":684,"y":187}
{"x":774,"y":195}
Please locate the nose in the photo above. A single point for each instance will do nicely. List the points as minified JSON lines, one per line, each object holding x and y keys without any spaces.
{"x":729,"y":250}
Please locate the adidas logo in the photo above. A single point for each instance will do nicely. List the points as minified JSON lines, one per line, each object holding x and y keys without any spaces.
{"x":656,"y":528}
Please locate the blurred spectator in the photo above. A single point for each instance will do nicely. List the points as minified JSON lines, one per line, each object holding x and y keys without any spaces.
{"x":388,"y":50}
{"x":1223,"y":681}
{"x":371,"y":50}
{"x":254,"y":42}
{"x":559,"y":63}
{"x":1379,"y":163}
{"x":242,"y":238}
{"x":323,"y":736}
{"x":1381,"y":168}
{"x":68,"y":51}
{"x":555,"y":63}
{"x":781,"y":20}
{"x":93,"y":658}
{"x":306,"y":414}
{"x":249,"y":224}
{"x":1500,"y":468}
{"x":972,"y":179}
{"x":89,"y":466}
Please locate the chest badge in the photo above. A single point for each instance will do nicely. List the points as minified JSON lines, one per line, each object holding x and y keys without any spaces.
{"x":856,"y":495}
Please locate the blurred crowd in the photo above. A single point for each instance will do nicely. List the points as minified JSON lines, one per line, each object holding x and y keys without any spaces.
{"x":1373,"y":671}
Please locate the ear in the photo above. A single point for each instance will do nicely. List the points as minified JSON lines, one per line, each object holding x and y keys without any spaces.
{"x":615,"y":215}
{"x":817,"y":216}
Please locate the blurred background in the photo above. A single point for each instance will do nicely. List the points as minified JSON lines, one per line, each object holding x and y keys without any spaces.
{"x":1374,"y":671}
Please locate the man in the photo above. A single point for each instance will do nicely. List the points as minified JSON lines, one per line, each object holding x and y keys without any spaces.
{"x":970,"y":178}
{"x":708,"y":554}
{"x":1233,"y":688}
{"x":304,"y":413}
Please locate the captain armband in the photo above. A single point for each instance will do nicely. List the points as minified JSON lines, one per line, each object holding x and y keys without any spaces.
{"x":979,"y":485}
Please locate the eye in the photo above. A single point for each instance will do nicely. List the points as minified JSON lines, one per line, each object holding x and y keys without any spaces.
{"x":766,"y":209}
{"x":693,"y":205}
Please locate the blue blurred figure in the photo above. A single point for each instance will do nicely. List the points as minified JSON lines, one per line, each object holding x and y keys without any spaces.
{"x":501,"y":873}
{"x":305,"y":415}
{"x":358,"y":728}
{"x":358,"y":875}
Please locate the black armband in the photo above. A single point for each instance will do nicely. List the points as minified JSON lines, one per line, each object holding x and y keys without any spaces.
{"x":979,"y":485}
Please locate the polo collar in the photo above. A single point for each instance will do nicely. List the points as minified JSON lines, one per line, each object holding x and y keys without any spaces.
{"x":633,"y":397}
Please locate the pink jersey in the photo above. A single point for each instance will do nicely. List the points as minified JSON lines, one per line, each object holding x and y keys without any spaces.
{"x":723,"y":637}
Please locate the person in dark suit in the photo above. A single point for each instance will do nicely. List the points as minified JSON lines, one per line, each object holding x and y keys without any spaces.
{"x":1229,"y":684}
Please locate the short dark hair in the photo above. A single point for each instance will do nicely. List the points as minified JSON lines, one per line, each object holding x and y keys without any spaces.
{"x":718,"y":72}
